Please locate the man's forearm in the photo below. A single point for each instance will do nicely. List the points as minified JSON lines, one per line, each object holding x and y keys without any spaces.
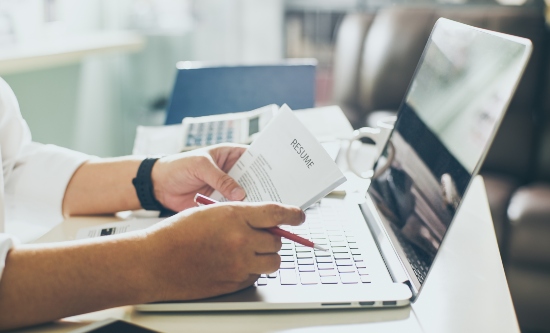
{"x":45,"y":282}
{"x":102,"y":186}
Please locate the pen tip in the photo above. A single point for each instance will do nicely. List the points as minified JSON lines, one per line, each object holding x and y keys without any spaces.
{"x":319,"y":247}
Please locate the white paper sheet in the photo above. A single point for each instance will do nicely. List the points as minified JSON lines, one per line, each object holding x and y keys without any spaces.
{"x":116,"y":228}
{"x":286,"y":164}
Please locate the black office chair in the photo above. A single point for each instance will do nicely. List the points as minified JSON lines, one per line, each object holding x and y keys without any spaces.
{"x":201,"y":89}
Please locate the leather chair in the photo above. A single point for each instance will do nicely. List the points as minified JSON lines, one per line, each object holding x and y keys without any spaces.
{"x":376,"y":54}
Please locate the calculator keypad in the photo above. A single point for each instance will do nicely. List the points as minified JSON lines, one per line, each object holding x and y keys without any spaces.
{"x":204,"y":134}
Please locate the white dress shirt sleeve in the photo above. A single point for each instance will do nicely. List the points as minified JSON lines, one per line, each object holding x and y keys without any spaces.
{"x":35,"y":175}
{"x":37,"y":184}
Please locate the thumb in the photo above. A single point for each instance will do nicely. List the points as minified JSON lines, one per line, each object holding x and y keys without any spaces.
{"x":221,"y":181}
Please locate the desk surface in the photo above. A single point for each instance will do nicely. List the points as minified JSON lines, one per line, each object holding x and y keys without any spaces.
{"x":465,"y":292}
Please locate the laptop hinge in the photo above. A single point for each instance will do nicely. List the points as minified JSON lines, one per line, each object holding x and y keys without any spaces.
{"x":393,"y":263}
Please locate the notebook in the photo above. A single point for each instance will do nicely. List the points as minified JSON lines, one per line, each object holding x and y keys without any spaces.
{"x":383,"y":247}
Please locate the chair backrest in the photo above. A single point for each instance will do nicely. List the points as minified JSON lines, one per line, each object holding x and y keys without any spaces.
{"x":394,"y":41}
{"x":201,"y":89}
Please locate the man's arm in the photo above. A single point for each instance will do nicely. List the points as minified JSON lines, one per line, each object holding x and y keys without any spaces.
{"x":191,"y":255}
{"x":105,"y":186}
{"x":102,"y":186}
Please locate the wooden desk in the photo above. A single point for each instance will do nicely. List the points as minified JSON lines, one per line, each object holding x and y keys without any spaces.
{"x":465,"y":292}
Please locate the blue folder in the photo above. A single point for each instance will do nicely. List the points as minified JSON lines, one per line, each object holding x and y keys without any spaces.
{"x":207,"y":90}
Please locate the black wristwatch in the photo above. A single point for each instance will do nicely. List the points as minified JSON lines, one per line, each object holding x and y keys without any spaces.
{"x":144,"y":186}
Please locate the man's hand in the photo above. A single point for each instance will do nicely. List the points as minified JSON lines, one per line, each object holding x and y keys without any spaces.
{"x":177,"y":178}
{"x":216,"y":249}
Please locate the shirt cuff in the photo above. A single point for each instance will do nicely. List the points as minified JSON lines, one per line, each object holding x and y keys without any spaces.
{"x":36,"y":187}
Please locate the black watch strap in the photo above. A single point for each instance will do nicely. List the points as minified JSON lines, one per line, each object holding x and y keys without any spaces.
{"x":144,"y":185}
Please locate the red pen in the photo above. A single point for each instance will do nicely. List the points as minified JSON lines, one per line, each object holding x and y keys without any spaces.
{"x":204,"y":200}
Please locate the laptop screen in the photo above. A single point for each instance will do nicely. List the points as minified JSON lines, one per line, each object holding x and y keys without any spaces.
{"x":449,"y":116}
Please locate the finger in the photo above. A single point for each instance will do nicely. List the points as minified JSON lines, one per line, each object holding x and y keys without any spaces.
{"x":221,"y":181}
{"x":266,"y":263}
{"x":226,"y":155}
{"x":248,"y":282}
{"x":267,"y":215}
{"x":265,"y":242}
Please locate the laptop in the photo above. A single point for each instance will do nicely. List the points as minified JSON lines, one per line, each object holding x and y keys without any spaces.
{"x":382,"y":248}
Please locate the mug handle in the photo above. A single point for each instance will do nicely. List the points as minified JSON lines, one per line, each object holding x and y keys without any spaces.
{"x":374,"y":135}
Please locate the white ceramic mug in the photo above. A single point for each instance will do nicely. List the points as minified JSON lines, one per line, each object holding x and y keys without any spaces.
{"x":379,"y":136}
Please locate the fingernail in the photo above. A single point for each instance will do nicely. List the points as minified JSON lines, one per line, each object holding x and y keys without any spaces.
{"x":237,"y":194}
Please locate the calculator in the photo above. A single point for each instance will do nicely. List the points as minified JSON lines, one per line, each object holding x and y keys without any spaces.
{"x":239,"y":127}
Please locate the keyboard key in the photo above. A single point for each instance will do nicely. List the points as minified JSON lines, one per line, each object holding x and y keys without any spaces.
{"x":366,"y":278}
{"x":349,"y":278}
{"x":303,"y":249}
{"x":327,"y":272}
{"x":329,"y":280}
{"x":339,"y":244}
{"x":346,"y":269}
{"x":336,"y":239}
{"x":306,"y":268}
{"x":353,"y":246}
{"x":288,"y":258}
{"x":322,"y":254}
{"x":272,"y":275}
{"x":307,"y":261}
{"x":327,"y":265}
{"x":356,"y":252}
{"x":342,"y":256}
{"x":262,"y":281}
{"x":287,"y":265}
{"x":351,"y":239}
{"x":362,"y":271}
{"x":344,"y":262}
{"x":287,"y":247}
{"x":323,"y":259}
{"x":286,"y":252}
{"x":342,"y":249}
{"x":360,"y":264}
{"x":309,"y":278}
{"x":358,"y":258}
{"x":304,"y":255}
{"x":288,"y":277}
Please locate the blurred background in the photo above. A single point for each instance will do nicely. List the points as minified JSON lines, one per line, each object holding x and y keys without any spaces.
{"x":87,"y":72}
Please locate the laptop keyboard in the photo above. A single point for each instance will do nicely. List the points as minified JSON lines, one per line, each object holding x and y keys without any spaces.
{"x":343,"y":263}
{"x":415,"y":257}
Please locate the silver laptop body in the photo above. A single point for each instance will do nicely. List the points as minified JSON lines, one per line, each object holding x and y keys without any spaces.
{"x":383,"y":245}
